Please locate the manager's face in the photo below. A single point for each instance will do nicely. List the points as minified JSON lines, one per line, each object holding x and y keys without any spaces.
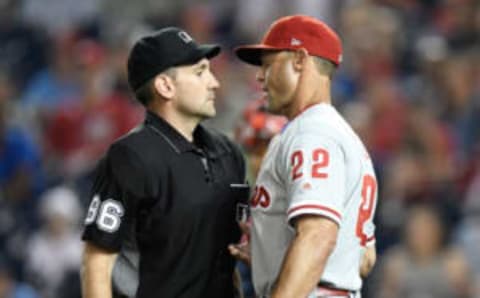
{"x":278,"y":79}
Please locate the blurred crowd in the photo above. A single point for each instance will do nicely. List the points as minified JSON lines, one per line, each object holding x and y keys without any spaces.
{"x":409,"y":84}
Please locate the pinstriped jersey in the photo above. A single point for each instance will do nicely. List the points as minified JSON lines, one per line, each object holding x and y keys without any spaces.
{"x":319,"y":166}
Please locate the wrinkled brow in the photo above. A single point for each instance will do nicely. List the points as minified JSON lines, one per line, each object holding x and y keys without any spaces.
{"x":202,"y":65}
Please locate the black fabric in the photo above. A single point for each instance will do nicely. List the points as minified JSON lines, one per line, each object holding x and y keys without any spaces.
{"x":250,"y":55}
{"x":161,"y":50}
{"x":178,"y":196}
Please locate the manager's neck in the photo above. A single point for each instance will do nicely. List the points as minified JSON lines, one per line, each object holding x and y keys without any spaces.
{"x":319,"y":93}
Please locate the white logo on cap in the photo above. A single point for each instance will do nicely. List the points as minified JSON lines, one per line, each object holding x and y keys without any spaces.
{"x":185,"y":37}
{"x":295,"y":42}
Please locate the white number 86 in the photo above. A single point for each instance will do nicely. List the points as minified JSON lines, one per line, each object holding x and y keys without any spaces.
{"x":109,"y":214}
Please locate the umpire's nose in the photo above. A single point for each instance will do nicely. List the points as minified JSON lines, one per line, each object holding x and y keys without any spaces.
{"x":213,"y":84}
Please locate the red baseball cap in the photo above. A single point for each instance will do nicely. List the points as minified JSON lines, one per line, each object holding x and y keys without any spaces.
{"x":292,"y":33}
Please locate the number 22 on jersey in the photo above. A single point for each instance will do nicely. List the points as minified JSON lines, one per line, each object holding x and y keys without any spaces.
{"x":321,"y":161}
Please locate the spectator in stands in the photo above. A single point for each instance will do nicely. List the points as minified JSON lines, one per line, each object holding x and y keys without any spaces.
{"x":21,"y":182}
{"x":79,"y":132}
{"x":424,"y":264}
{"x":22,"y":46}
{"x":11,"y":288}
{"x":56,"y":248}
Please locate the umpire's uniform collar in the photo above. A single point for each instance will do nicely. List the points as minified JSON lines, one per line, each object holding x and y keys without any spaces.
{"x":202,"y":138}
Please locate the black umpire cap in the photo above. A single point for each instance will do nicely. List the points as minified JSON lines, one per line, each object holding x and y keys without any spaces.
{"x":166,"y":48}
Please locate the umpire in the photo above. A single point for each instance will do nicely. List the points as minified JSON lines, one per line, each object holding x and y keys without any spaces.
{"x":170,"y":188}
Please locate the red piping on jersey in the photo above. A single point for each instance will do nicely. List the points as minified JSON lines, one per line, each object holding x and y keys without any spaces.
{"x":323,"y":208}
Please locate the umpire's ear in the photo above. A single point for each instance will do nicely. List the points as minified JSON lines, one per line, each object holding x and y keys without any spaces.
{"x":164,"y":86}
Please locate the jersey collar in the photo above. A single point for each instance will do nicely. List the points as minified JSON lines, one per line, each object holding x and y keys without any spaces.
{"x":304,"y":111}
{"x":201,"y":137}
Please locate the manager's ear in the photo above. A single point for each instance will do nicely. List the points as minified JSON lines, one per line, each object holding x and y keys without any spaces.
{"x":164,"y":86}
{"x":299,"y":59}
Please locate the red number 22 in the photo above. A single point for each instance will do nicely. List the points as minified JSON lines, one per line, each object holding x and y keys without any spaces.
{"x":321,"y":160}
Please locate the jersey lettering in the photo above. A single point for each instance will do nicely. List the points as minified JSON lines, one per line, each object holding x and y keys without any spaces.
{"x":261,"y":197}
{"x":369,"y":188}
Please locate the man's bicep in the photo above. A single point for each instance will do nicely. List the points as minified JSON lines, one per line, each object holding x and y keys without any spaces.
{"x":316,"y":178}
{"x":317,"y":224}
{"x":119,"y":185}
{"x":106,"y":218}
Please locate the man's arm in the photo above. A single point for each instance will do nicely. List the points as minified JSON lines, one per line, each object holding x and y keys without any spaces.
{"x":96,"y":271}
{"x":368,"y":261}
{"x":307,"y":255}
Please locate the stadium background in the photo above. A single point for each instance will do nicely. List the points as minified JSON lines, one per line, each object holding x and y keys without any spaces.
{"x":409,"y":84}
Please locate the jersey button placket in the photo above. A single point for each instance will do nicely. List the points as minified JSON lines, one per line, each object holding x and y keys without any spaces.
{"x":206,"y":167}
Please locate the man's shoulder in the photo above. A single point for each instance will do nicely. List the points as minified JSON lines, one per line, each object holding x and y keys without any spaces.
{"x":139,"y":143}
{"x":136,"y":136}
{"x":311,"y":127}
{"x":329,"y":122}
{"x":318,"y":131}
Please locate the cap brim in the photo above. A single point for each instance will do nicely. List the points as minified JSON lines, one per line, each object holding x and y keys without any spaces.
{"x":209,"y":50}
{"x":202,"y":51}
{"x":252,"y":54}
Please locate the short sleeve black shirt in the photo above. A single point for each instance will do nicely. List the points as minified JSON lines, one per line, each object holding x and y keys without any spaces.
{"x":180,"y":198}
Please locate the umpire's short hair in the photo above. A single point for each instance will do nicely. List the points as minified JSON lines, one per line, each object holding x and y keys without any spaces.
{"x":146,"y":93}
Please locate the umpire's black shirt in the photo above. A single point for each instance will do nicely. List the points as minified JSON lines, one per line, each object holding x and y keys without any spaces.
{"x":180,"y":198}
